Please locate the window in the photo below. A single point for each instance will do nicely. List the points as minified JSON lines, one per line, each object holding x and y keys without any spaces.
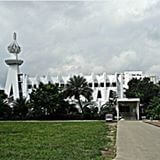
{"x":67,"y":85}
{"x":29,"y":86}
{"x":49,"y":82}
{"x":19,"y":78}
{"x":102,"y":84}
{"x":107,"y":84}
{"x":99,"y":94}
{"x":95,"y":84}
{"x":34,"y":86}
{"x":62,"y":85}
{"x":90,"y":84}
{"x":57,"y":84}
{"x":114,"y":84}
{"x":20,"y":86}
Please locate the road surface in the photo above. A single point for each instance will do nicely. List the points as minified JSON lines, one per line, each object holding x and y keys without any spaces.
{"x":137,"y":140}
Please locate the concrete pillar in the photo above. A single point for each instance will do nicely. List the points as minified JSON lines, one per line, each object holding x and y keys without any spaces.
{"x":121,"y":86}
{"x":137,"y":109}
{"x":117,"y":110}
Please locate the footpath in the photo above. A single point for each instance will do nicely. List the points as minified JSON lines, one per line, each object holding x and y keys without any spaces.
{"x":137,"y":140}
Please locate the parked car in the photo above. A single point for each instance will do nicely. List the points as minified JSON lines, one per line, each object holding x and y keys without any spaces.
{"x":120,"y":117}
{"x":109,"y":117}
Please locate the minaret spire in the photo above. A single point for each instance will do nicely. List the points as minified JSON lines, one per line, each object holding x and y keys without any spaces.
{"x":14,"y":77}
{"x":14,"y":46}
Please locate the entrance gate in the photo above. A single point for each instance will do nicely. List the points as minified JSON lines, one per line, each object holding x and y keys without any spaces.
{"x":128,"y":108}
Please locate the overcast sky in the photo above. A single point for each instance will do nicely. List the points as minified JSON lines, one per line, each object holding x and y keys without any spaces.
{"x":71,"y":37}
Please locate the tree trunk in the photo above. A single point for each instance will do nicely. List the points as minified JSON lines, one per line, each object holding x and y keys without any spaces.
{"x":80,"y":104}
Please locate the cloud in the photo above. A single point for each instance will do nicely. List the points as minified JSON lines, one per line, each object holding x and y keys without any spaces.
{"x":126,"y":60}
{"x":71,"y":37}
{"x":76,"y":64}
{"x":154,"y":69}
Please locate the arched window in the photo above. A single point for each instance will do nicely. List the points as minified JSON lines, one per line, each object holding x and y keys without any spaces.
{"x":102,"y":84}
{"x":95,"y":84}
{"x":29,"y":86}
{"x":107,"y":84}
{"x":99,"y":95}
{"x":90,"y":84}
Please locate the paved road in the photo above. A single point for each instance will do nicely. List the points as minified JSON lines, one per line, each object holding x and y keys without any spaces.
{"x":137,"y":141}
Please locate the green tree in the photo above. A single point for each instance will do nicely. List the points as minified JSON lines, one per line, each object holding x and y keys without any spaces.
{"x":78,"y":87}
{"x":48,"y":100}
{"x":20,"y":108}
{"x":5,"y":110}
{"x":90,"y":110}
{"x":107,"y":108}
{"x":153,"y":110}
{"x":143,"y":89}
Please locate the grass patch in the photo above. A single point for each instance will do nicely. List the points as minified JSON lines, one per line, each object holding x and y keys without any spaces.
{"x":54,"y":141}
{"x":110,"y":151}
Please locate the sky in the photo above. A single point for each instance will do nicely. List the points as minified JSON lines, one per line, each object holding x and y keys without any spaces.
{"x":82,"y":36}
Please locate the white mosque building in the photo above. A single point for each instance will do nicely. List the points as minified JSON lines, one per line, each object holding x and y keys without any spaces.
{"x":20,"y":85}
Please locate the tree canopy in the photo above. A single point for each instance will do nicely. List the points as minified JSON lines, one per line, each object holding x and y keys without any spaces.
{"x":149,"y":94}
{"x":153,"y":109}
{"x":20,"y":108}
{"x":47,"y":99}
{"x":143,"y":89}
{"x":77,"y":87}
{"x":5,"y":110}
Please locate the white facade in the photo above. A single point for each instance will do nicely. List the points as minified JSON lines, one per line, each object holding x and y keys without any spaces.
{"x":99,"y":83}
{"x":102,"y":84}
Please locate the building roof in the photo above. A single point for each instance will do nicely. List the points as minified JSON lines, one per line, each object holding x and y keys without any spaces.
{"x":128,"y":100}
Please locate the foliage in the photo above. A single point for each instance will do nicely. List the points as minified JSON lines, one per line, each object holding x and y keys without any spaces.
{"x":5,"y":110}
{"x":3,"y":96}
{"x":143,"y":89}
{"x":78,"y":87}
{"x":148,"y":94}
{"x":48,"y":100}
{"x":153,"y":110}
{"x":20,"y":108}
{"x":51,"y":140}
{"x":90,"y":110}
{"x":107,"y":108}
{"x":72,"y":109}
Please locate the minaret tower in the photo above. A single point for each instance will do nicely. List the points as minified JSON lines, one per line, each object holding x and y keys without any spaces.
{"x":13,"y":87}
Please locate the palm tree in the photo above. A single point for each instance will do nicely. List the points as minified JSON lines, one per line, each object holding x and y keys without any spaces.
{"x":78,"y":87}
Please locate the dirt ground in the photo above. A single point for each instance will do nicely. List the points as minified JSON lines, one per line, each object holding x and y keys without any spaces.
{"x":155,"y":123}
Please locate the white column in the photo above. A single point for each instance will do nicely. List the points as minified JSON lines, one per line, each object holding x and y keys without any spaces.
{"x":117,"y":110}
{"x":12,"y":81}
{"x":137,"y":108}
{"x":121,"y":86}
